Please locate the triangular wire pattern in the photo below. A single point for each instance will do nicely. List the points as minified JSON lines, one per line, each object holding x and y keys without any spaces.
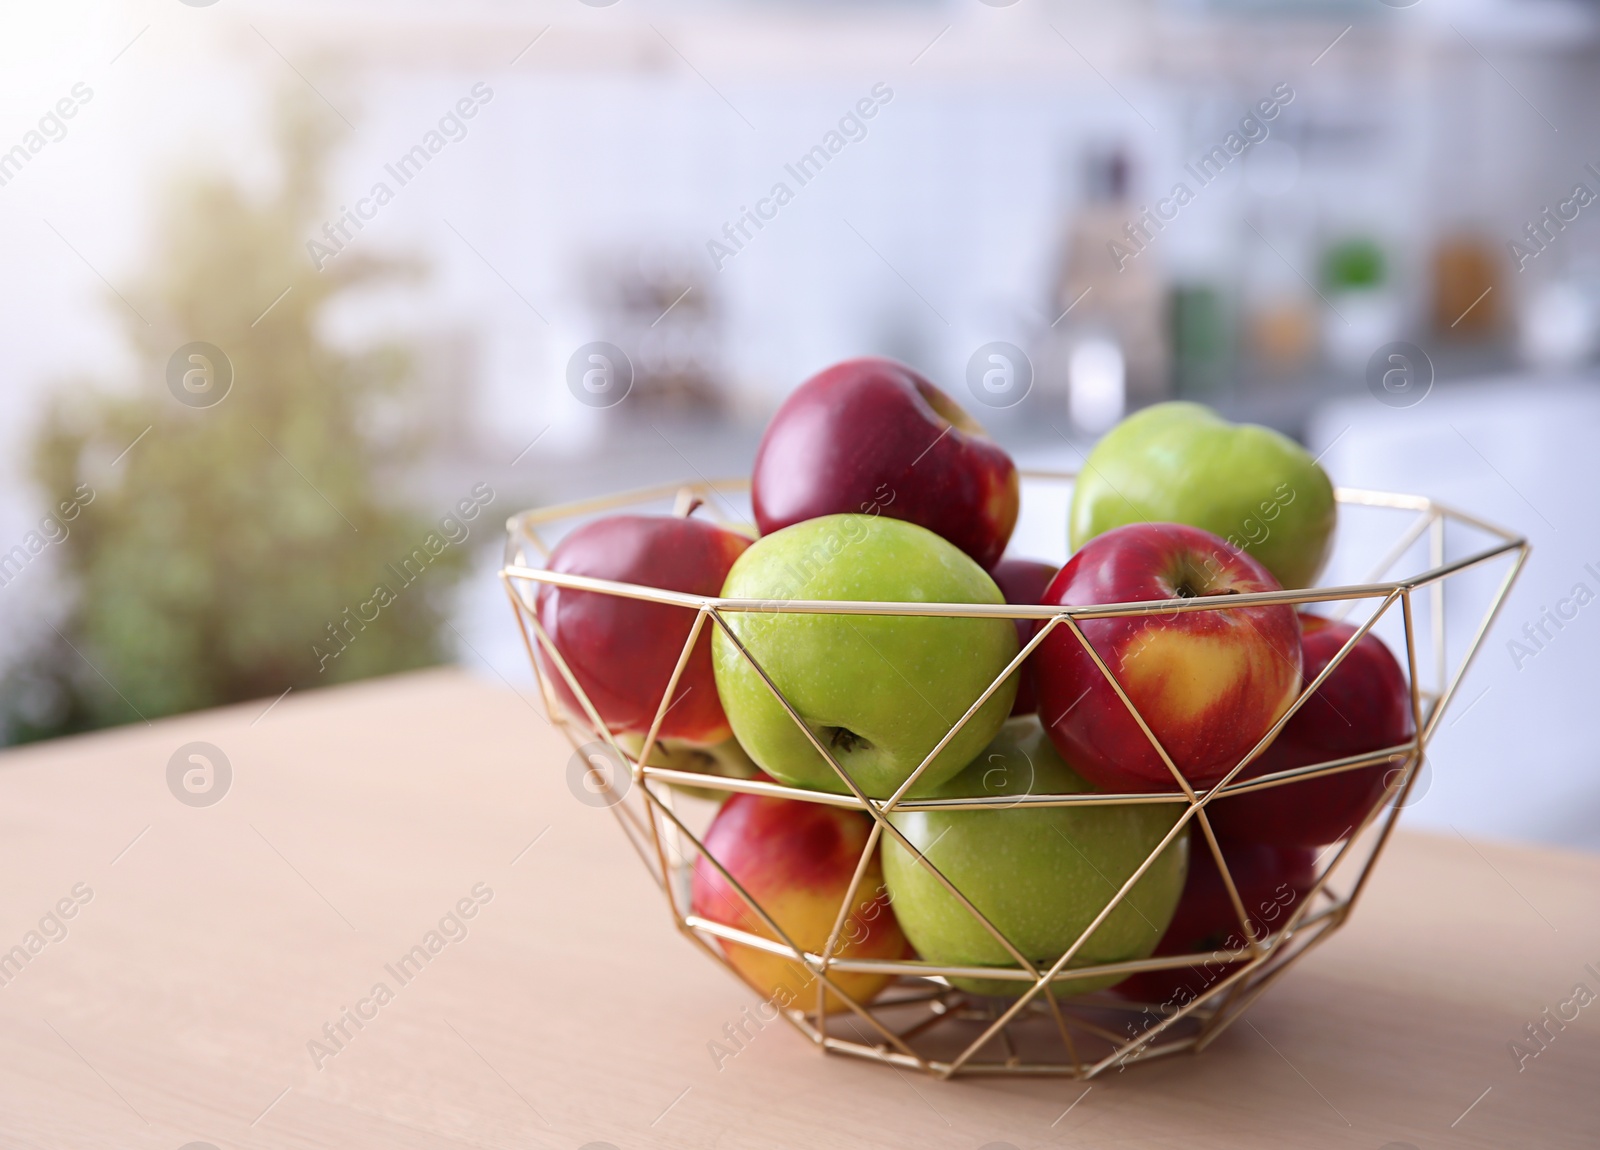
{"x":922,"y":1022}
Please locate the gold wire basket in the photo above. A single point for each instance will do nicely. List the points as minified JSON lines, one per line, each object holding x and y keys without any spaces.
{"x":921,"y":1021}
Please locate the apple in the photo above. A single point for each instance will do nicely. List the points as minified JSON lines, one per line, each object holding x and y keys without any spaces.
{"x":1365,"y":705}
{"x":879,"y":691}
{"x":622,"y":651}
{"x":1181,"y":463}
{"x":1271,"y":882}
{"x":1022,"y":581}
{"x":727,"y":759}
{"x":871,"y":435}
{"x":796,"y":860}
{"x":1209,"y":683}
{"x":1039,"y":874}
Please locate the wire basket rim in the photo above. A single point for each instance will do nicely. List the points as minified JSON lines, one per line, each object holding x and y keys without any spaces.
{"x":517,"y":524}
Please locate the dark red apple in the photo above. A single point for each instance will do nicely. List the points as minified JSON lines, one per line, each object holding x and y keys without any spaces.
{"x":796,"y":860}
{"x":1209,"y":683}
{"x":622,"y":651}
{"x":871,"y":436}
{"x":1364,"y":706}
{"x":1022,"y":581}
{"x":1271,"y":882}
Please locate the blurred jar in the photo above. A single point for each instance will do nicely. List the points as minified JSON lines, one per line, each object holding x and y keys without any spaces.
{"x":1283,"y":334}
{"x":1097,"y":382}
{"x":1202,"y":360}
{"x":1364,"y":311}
{"x":1464,"y":269}
{"x":1559,"y":323}
{"x":1278,"y":311}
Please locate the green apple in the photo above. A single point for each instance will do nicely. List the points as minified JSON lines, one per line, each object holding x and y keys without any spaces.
{"x":879,"y":691}
{"x":1182,"y":463}
{"x":1039,"y":874}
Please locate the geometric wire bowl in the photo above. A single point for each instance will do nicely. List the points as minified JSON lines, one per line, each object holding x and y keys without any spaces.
{"x":921,"y":1021}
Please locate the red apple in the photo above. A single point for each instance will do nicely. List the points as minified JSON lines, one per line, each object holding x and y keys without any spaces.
{"x":1365,"y":705}
{"x":1022,"y":581}
{"x":622,"y":651}
{"x":872,"y":436}
{"x":796,"y":860}
{"x":1209,"y":683}
{"x":1271,"y":882}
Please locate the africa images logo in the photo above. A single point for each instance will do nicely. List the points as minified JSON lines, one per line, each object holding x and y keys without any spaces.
{"x":599,"y":374}
{"x":199,"y":374}
{"x":199,"y":774}
{"x":999,"y":374}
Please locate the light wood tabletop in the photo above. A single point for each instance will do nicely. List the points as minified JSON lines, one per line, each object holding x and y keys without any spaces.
{"x":185,"y":969}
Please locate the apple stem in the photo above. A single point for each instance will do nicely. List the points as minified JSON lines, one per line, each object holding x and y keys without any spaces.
{"x":845,"y":740}
{"x":686,"y":502}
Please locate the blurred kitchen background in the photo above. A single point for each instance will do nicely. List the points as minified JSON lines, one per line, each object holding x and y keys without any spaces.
{"x":1356,"y":174}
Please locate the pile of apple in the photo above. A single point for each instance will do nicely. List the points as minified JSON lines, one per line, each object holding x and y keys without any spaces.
{"x":871,"y":484}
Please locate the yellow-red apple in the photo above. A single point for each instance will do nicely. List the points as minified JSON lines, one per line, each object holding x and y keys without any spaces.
{"x":1209,"y":683}
{"x":796,"y":860}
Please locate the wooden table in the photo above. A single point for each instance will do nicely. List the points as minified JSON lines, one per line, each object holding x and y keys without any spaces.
{"x":217,"y":942}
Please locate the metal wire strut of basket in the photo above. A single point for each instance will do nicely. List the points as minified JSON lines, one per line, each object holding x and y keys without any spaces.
{"x":923,"y":1020}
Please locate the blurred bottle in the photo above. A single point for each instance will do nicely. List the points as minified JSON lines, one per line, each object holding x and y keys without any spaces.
{"x":1109,"y":339}
{"x":1280,"y":314}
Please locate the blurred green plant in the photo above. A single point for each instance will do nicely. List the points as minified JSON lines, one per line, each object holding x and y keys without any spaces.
{"x":220,"y":547}
{"x":1354,"y":264}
